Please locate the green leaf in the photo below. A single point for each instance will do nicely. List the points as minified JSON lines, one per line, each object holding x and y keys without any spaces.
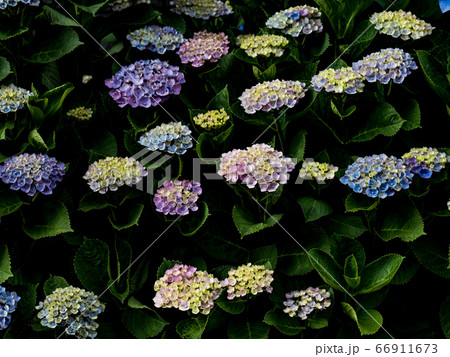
{"x":50,"y":76}
{"x":247,"y":330}
{"x":221,"y":100}
{"x":432,"y":255}
{"x":263,"y":254}
{"x":346,"y":225}
{"x":165,"y":265}
{"x":342,"y":247}
{"x":287,"y":325}
{"x":28,"y":296}
{"x":268,"y":75}
{"x":247,"y":224}
{"x":328,"y":269}
{"x":175,"y":21}
{"x":297,"y":147}
{"x":383,"y":120}
{"x":409,"y":267}
{"x":351,"y":275}
{"x":193,"y":327}
{"x":196,"y":220}
{"x":56,"y":18}
{"x":361,"y":38}
{"x":49,"y":219}
{"x":93,"y":201}
{"x":35,"y":140}
{"x":318,"y":48}
{"x":368,"y":321}
{"x":356,"y":202}
{"x":5,"y":68}
{"x":86,"y":5}
{"x":317,"y":323}
{"x":444,"y":315}
{"x":121,"y":287}
{"x":91,"y":265}
{"x":10,"y":202}
{"x":234,"y":307}
{"x":410,"y":111}
{"x":5,"y":264}
{"x":126,"y":216}
{"x":401,"y":221}
{"x":242,"y":55}
{"x":9,"y":29}
{"x":143,"y":324}
{"x":314,"y":209}
{"x":434,"y":74}
{"x":379,"y":273}
{"x":53,"y":283}
{"x":104,"y":143}
{"x":52,"y":49}
{"x":56,"y":98}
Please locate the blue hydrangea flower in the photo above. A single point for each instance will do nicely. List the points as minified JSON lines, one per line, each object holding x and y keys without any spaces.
{"x":296,"y":20}
{"x":387,"y":64}
{"x":32,"y":173}
{"x":72,"y":308}
{"x":13,"y":98}
{"x":8,"y":304}
{"x":377,"y":176}
{"x":156,"y":38}
{"x":174,"y":138}
{"x":5,"y":3}
{"x":444,"y":5}
{"x":423,"y":161}
{"x":304,"y":302}
{"x":145,"y":83}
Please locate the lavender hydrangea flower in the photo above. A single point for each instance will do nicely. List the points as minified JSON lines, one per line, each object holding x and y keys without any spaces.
{"x":32,"y":173}
{"x":272,"y":95}
{"x":424,"y":161}
{"x":296,"y":20}
{"x":8,"y":304}
{"x":377,"y":176}
{"x":201,"y":9}
{"x":400,"y":24}
{"x":5,"y":3}
{"x":13,"y":98}
{"x":156,"y":38}
{"x":174,"y":138}
{"x":304,"y":302}
{"x":145,"y":83}
{"x":72,"y":308}
{"x":312,"y":170}
{"x":340,"y":80}
{"x":387,"y":64}
{"x":80,"y":113}
{"x":211,"y":120}
{"x":259,"y":164}
{"x":247,"y":279}
{"x":177,"y":197}
{"x":263,"y":45}
{"x":185,"y":288}
{"x":204,"y":46}
{"x":113,"y":172}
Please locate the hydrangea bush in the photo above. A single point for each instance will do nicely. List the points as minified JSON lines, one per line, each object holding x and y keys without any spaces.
{"x":224,"y":169}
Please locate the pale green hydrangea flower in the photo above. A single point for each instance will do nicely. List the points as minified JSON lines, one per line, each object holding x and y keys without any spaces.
{"x":263,"y":45}
{"x":80,"y":113}
{"x":213,"y":119}
{"x":339,"y":80}
{"x":312,"y":170}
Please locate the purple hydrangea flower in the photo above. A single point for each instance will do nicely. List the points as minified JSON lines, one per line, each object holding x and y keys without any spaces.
{"x":387,"y":64}
{"x":8,"y":304}
{"x":259,"y":164}
{"x":32,"y":173}
{"x":339,"y":80}
{"x":203,"y":47}
{"x":377,"y":176}
{"x":5,"y":3}
{"x":296,"y":20}
{"x":13,"y":98}
{"x":72,"y":308}
{"x":423,"y":161}
{"x":201,"y":9}
{"x":145,"y":83}
{"x":156,"y":38}
{"x":174,"y":138}
{"x":185,"y":288}
{"x":304,"y":302}
{"x":177,"y":197}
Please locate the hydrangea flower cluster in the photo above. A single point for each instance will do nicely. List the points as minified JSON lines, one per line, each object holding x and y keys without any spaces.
{"x":212,"y":119}
{"x":377,"y":175}
{"x":387,"y":64}
{"x":8,"y":304}
{"x":32,"y":173}
{"x":80,"y":113}
{"x":259,"y":164}
{"x":5,"y":3}
{"x":318,"y":171}
{"x":248,"y":279}
{"x":272,"y":95}
{"x":296,"y":20}
{"x":304,"y":302}
{"x":174,"y":138}
{"x":340,"y":80}
{"x":186,"y":288}
{"x":156,"y":38}
{"x":177,"y":197}
{"x":120,"y":5}
{"x":201,"y":9}
{"x":13,"y":98}
{"x":263,"y":45}
{"x":424,"y":161}
{"x":400,"y":24}
{"x":113,"y":172}
{"x":72,"y":308}
{"x":145,"y":83}
{"x":204,"y":46}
